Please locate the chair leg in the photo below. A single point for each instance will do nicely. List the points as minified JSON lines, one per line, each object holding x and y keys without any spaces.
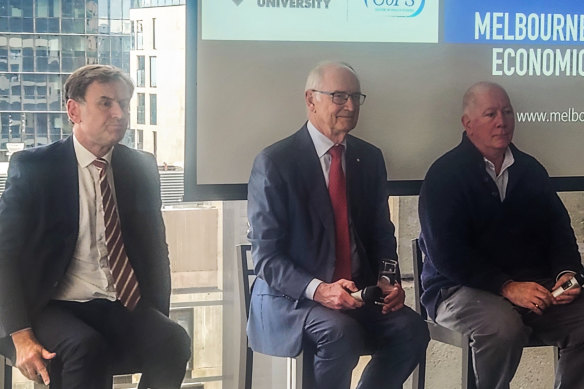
{"x":7,"y":376}
{"x":468,"y":377}
{"x":294,"y":372}
{"x":249,"y":368}
{"x":419,"y":374}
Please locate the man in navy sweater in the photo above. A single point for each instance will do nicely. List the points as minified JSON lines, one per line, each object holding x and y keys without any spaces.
{"x":497,"y":240}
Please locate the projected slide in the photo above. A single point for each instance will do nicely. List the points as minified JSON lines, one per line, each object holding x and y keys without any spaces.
{"x":321,"y":20}
{"x":415,"y":59}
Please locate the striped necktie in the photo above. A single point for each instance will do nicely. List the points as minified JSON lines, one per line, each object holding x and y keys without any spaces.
{"x":122,"y":272}
{"x":338,"y":194}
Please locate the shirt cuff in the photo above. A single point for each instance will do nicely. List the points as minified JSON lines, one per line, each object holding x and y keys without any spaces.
{"x":311,"y":288}
{"x":24,"y":329}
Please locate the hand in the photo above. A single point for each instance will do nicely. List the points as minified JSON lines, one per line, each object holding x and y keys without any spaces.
{"x":569,"y":295}
{"x":31,"y":357}
{"x":530,"y":295}
{"x":394,"y":301}
{"x":336,"y":295}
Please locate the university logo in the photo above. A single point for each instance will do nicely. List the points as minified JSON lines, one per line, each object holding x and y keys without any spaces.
{"x":396,"y":8}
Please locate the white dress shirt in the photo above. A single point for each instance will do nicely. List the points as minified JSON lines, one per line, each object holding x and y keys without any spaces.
{"x":322,"y":144}
{"x":88,"y":275}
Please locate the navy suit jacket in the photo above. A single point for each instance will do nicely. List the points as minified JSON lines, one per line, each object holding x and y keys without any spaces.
{"x":293,"y":236}
{"x":39,"y":225}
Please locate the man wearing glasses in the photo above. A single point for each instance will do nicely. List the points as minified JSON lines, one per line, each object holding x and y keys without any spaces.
{"x":319,"y":224}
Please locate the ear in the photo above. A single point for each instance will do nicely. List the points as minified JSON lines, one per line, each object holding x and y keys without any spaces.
{"x":73,"y":111}
{"x":309,"y":99}
{"x":465,"y":120}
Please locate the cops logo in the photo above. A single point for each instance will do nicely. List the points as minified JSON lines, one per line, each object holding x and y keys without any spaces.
{"x":397,"y":8}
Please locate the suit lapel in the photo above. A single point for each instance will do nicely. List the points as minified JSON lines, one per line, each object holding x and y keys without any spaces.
{"x":353,"y":169}
{"x":122,"y":181}
{"x":66,"y":188}
{"x":309,"y":165}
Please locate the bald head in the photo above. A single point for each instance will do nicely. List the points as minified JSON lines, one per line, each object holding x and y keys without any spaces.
{"x":317,"y":74}
{"x":469,"y":99}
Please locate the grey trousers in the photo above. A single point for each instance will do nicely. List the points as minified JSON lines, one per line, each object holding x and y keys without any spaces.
{"x":498,"y":331}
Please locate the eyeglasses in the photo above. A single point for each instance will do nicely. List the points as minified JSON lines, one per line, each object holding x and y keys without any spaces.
{"x":341,"y":98}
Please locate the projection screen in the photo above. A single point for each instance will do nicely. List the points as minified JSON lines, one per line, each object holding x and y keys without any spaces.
{"x":415,"y":58}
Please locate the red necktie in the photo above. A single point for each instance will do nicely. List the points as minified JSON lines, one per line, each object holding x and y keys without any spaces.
{"x":124,"y":278}
{"x":338,"y":193}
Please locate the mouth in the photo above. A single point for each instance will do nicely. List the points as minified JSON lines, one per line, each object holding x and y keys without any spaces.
{"x":118,"y":126}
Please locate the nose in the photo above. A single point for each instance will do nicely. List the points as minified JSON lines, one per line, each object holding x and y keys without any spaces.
{"x":500,"y":120}
{"x":116,"y":110}
{"x":350,"y":104}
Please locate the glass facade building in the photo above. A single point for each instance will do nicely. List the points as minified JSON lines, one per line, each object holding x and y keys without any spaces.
{"x":41,"y":43}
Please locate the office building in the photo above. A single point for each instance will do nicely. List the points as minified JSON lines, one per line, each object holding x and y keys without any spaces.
{"x":41,"y":43}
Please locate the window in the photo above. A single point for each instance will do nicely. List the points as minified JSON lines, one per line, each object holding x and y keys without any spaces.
{"x":132,"y":28}
{"x":141,"y":71}
{"x":141,"y":112}
{"x":139,"y":35}
{"x":153,"y":110}
{"x":153,"y":70}
{"x":154,"y":33}
{"x":140,"y":139}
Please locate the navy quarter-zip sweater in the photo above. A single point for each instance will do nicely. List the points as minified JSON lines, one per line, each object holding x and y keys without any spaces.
{"x":472,"y":238}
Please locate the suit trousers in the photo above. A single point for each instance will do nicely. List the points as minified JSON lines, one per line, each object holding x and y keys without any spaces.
{"x":396,"y":341}
{"x":499,"y":330}
{"x":97,"y":339}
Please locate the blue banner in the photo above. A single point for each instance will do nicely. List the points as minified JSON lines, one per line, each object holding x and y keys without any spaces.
{"x":550,"y":22}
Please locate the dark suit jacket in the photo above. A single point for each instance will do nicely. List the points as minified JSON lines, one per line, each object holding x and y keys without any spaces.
{"x":39,"y":224}
{"x":472,"y":238}
{"x":293,"y":236}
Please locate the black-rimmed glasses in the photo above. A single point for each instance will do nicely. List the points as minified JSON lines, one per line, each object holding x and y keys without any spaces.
{"x":341,"y":98}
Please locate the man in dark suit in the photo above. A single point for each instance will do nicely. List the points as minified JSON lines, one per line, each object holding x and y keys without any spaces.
{"x":84,"y":269}
{"x":319,"y":224}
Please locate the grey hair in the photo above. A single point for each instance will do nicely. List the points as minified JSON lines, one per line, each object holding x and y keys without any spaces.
{"x":314,"y":79}
{"x":470,"y":95}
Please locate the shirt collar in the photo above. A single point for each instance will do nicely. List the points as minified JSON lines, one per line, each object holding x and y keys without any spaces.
{"x":508,"y":160}
{"x":322,"y":144}
{"x":86,"y":157}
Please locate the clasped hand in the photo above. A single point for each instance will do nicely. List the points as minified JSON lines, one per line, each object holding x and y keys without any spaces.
{"x":337,"y":295}
{"x":536,"y":297}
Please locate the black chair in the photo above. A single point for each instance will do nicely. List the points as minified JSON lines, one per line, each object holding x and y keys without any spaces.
{"x":446,"y":335}
{"x":299,"y":373}
{"x":7,"y":372}
{"x":247,"y":277}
